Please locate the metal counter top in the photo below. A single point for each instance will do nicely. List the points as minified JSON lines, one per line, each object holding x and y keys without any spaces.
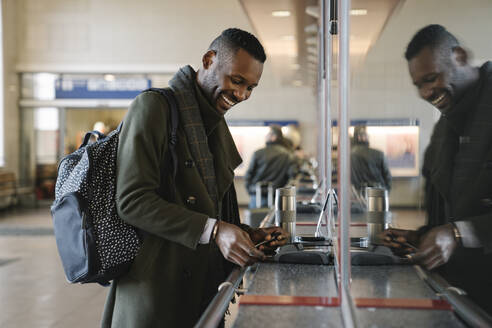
{"x":317,"y":280}
{"x":293,"y":280}
{"x":381,"y":282}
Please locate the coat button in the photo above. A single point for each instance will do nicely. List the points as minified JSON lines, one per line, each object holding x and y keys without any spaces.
{"x":487,"y":165}
{"x":191,"y":200}
{"x":487,"y":202}
{"x":187,"y":273}
{"x":189,"y":163}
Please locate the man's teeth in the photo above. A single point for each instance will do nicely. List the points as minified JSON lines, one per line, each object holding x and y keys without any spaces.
{"x":438,"y":100}
{"x":229,"y":102}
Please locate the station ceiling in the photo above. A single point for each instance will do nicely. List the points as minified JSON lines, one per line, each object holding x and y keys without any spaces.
{"x":288,"y":30}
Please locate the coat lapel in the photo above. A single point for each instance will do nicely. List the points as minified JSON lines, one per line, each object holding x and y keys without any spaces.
{"x":226,"y":155}
{"x":445,"y":147}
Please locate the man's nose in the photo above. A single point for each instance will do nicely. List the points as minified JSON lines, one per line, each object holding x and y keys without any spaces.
{"x":426,"y":93}
{"x":241,"y":94}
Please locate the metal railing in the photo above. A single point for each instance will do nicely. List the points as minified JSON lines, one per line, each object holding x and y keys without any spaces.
{"x":466,"y":309}
{"x":219,"y":304}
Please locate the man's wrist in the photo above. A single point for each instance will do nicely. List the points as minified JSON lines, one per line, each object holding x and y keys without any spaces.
{"x":469,"y":234}
{"x":215,"y":231}
{"x":207,"y":231}
{"x":457,"y":234}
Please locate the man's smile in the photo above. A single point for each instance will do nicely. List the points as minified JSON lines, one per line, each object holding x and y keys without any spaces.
{"x":441,"y":101}
{"x":228,"y":101}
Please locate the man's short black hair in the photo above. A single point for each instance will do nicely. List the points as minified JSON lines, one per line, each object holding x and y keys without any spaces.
{"x":433,"y":36}
{"x":233,"y":39}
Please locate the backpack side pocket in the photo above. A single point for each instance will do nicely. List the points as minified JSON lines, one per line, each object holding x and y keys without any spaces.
{"x":74,"y":236}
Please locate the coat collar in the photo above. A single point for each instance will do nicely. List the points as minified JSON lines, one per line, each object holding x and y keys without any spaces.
{"x":210,"y":116}
{"x":220,"y":141}
{"x":445,"y":138}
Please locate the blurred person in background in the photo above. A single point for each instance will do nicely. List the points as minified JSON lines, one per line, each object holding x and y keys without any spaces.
{"x":274,"y":164}
{"x":457,"y":241}
{"x":291,"y":133}
{"x":190,"y":223}
{"x":368,"y":166}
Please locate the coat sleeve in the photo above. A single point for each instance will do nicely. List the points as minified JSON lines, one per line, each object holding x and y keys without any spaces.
{"x":143,"y":142}
{"x":482,"y":226}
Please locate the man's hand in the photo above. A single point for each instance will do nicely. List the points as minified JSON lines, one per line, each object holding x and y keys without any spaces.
{"x":262,"y":234}
{"x":236,"y":245}
{"x":397,"y":238}
{"x":436,"y":247}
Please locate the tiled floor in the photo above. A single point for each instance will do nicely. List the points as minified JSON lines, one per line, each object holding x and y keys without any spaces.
{"x":33,"y":289}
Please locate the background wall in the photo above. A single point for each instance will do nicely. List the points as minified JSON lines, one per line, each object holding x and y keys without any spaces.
{"x":146,"y":36}
{"x":160,"y":36}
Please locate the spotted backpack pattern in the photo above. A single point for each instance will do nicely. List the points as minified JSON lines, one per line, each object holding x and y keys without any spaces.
{"x":94,"y":244}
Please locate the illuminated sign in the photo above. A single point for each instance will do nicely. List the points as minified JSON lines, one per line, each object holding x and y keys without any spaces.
{"x":100,"y":88}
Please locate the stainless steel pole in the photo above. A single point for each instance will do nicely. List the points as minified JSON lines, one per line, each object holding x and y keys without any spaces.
{"x":327,"y":94}
{"x":344,"y":144}
{"x":322,"y":97}
{"x":347,"y":305}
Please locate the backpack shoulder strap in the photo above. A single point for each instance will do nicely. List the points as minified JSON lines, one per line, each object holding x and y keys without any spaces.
{"x":173,"y":138}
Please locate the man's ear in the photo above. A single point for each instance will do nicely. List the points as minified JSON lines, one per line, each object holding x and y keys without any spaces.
{"x":208,"y":59}
{"x":460,"y":55}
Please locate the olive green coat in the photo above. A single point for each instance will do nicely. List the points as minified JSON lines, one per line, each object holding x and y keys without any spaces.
{"x":169,"y":283}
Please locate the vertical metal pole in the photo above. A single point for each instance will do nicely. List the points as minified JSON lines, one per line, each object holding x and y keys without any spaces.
{"x":62,"y":122}
{"x":344,"y":165}
{"x":322,"y":97}
{"x":326,"y":14}
{"x":344,"y":145}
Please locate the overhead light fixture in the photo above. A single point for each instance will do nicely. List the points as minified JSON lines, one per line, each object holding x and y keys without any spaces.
{"x":358,"y":12}
{"x":109,"y":77}
{"x":288,"y":37}
{"x":312,"y":11}
{"x":312,"y":50}
{"x":312,"y":40}
{"x":281,"y":13}
{"x":311,"y":29}
{"x":297,"y":83}
{"x":312,"y":59}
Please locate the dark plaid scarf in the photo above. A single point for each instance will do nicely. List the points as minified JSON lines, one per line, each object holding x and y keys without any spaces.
{"x":183,"y":85}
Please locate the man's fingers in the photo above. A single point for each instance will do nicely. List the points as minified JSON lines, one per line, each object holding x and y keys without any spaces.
{"x":243,"y":257}
{"x":237,"y":259}
{"x":401,"y":239}
{"x":249,"y":252}
{"x":436,"y":263}
{"x":421,"y":255}
{"x":434,"y":259}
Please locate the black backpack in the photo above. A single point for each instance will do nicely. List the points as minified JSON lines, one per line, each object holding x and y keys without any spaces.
{"x":94,"y":244}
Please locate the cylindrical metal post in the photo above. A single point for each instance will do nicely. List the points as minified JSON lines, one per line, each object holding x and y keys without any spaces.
{"x":344,"y":144}
{"x":326,"y":14}
{"x":322,"y":96}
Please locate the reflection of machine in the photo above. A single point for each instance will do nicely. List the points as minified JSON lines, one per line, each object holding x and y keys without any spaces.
{"x":398,"y":139}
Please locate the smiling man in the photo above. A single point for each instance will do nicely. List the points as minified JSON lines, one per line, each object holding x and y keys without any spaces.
{"x":190,"y":224}
{"x":457,"y":164}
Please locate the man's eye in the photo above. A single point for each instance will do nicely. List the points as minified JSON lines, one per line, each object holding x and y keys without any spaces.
{"x":431,"y":78}
{"x":236,"y":81}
